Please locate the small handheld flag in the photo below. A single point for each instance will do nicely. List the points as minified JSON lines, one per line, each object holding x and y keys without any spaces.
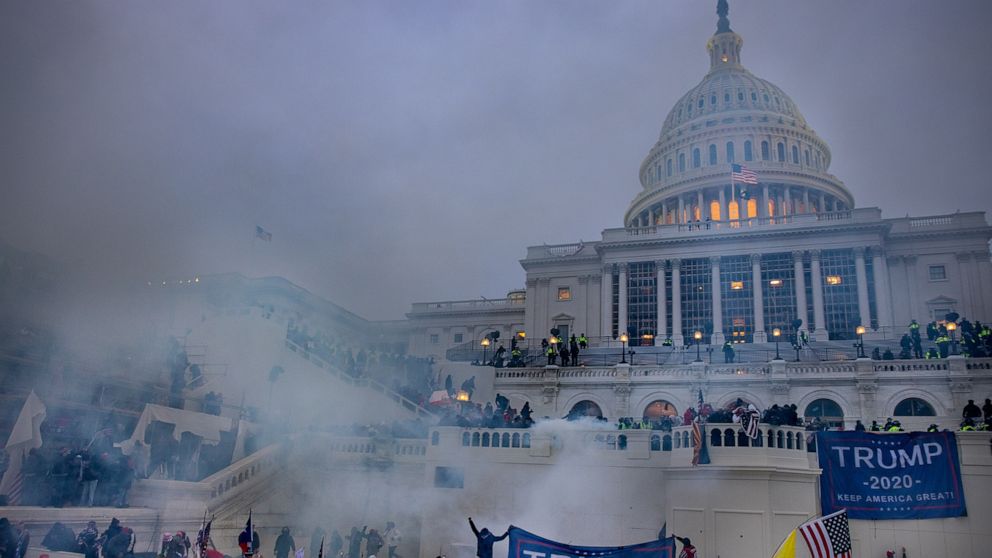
{"x":828,"y":536}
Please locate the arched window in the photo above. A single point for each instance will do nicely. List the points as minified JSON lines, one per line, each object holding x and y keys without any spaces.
{"x":765,"y":97}
{"x":730,"y":152}
{"x":668,"y":167}
{"x":696,"y":162}
{"x":716,"y":437}
{"x":584,"y":409}
{"x":659,"y":408}
{"x":758,"y":441}
{"x":726,"y":97}
{"x":748,"y":153}
{"x":781,"y":152}
{"x":827,"y":410}
{"x":795,"y":155}
{"x":914,"y":407}
{"x":506,"y":439}
{"x":685,"y":440}
{"x":799,"y":440}
{"x":475,"y":439}
{"x":435,"y":438}
{"x":701,"y":102}
{"x":765,"y":153}
{"x":807,"y":157}
{"x":788,"y":441}
{"x":817,"y":160}
{"x":742,"y":439}
{"x":729,"y":438}
{"x":780,"y":438}
{"x":752,"y":208}
{"x":516,"y":439}
{"x":655,"y":442}
{"x":733,"y":210}
{"x":485,"y":439}
{"x":740,"y":94}
{"x":712,"y":154}
{"x":681,"y":162}
{"x":712,"y":99}
{"x":465,"y":438}
{"x":495,"y":439}
{"x":666,"y":443}
{"x":526,"y":440}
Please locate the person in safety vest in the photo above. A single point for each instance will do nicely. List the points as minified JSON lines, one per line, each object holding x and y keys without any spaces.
{"x":583,"y":341}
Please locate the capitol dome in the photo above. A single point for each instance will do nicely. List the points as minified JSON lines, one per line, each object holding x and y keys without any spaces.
{"x":734,"y":117}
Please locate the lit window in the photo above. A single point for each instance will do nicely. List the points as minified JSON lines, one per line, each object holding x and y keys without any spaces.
{"x":775,"y":282}
{"x":736,"y":285}
{"x":459,"y":337}
{"x":564,"y":293}
{"x":521,"y":334}
{"x":435,"y":339}
{"x":834,"y":280}
{"x":938,"y":273}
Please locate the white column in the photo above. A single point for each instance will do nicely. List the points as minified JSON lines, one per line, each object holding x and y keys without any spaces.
{"x":724,"y":210}
{"x":662,"y":329}
{"x":787,"y":202}
{"x":530,"y":322}
{"x":664,"y":212}
{"x":800,"y":278}
{"x":915,"y":312}
{"x":759,"y":300}
{"x":816,"y":278}
{"x":677,"y":303}
{"x":717,"y":292}
{"x":651,"y":217}
{"x":622,"y":295}
{"x":861,"y":276}
{"x":883,"y":301}
{"x":700,"y":204}
{"x":680,"y":218}
{"x":763,"y":210}
{"x":607,"y":301}
{"x":806,"y":201}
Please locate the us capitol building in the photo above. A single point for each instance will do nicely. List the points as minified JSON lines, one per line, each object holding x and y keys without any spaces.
{"x":703,"y":258}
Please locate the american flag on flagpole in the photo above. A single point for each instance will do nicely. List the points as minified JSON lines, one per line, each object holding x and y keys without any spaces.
{"x":740,"y":173}
{"x":828,"y":536}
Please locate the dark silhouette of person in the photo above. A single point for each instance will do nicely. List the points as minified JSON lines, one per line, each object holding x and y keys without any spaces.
{"x":971,"y":411}
{"x":485,"y":540}
{"x":284,"y":544}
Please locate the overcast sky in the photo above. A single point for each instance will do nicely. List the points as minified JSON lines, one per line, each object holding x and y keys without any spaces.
{"x":407,"y":151}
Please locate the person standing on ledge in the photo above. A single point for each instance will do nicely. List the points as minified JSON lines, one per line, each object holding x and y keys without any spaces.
{"x":485,"y":540}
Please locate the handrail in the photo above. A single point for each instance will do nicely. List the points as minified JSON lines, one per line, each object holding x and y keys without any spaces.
{"x":359,"y":382}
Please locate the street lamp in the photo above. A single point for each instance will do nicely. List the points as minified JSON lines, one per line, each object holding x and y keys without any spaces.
{"x":485,"y":345}
{"x":776,"y":333}
{"x":698,"y":336}
{"x":623,"y":347}
{"x":951,"y":328}
{"x":860,"y":330}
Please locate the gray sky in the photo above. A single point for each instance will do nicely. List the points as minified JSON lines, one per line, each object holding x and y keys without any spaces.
{"x":406,"y":151}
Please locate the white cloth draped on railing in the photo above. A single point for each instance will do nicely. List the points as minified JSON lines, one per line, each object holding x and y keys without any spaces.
{"x":203,"y":425}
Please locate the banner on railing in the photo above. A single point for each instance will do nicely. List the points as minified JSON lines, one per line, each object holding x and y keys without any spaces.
{"x":913,"y":475}
{"x":529,"y":545}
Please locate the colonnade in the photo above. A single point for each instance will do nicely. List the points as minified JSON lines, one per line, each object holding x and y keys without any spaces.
{"x":759,"y":335}
{"x":769,"y":201}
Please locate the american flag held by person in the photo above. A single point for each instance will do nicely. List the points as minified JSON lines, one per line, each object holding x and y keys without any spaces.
{"x":828,"y":536}
{"x":748,"y":418}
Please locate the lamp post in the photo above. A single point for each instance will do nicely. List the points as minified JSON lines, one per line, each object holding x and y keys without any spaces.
{"x":698,"y":337}
{"x":951,"y":328}
{"x":860,"y":330}
{"x":485,"y":345}
{"x":776,"y":333}
{"x":623,"y":347}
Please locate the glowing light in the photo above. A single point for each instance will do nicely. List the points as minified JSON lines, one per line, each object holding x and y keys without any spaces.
{"x":775,"y":282}
{"x":485,"y":341}
{"x":624,"y":338}
{"x":951,"y":326}
{"x":697,"y":335}
{"x":462,"y":395}
{"x":776,"y":332}
{"x":834,"y":280}
{"x":736,"y":285}
{"x":860,"y":330}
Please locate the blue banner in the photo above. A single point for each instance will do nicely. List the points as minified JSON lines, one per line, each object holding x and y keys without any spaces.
{"x":913,"y":475}
{"x":529,"y":545}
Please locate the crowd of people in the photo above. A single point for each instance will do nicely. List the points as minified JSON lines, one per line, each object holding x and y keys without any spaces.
{"x":973,"y":338}
{"x":116,"y":541}
{"x":357,"y":543}
{"x":410,"y":376}
{"x":497,"y":414}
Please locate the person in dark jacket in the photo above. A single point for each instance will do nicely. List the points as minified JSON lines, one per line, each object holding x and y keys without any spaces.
{"x":485,"y":540}
{"x":60,"y":538}
{"x":316,"y":538}
{"x":284,"y":544}
{"x":8,"y":539}
{"x":87,"y":542}
{"x":355,"y":542}
{"x":373,"y":542}
{"x":335,"y":544}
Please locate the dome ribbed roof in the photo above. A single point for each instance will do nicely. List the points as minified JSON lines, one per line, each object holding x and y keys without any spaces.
{"x":729,"y":90}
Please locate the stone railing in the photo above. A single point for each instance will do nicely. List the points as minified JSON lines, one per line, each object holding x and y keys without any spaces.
{"x":248,"y":470}
{"x":465,"y":305}
{"x":370,"y":383}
